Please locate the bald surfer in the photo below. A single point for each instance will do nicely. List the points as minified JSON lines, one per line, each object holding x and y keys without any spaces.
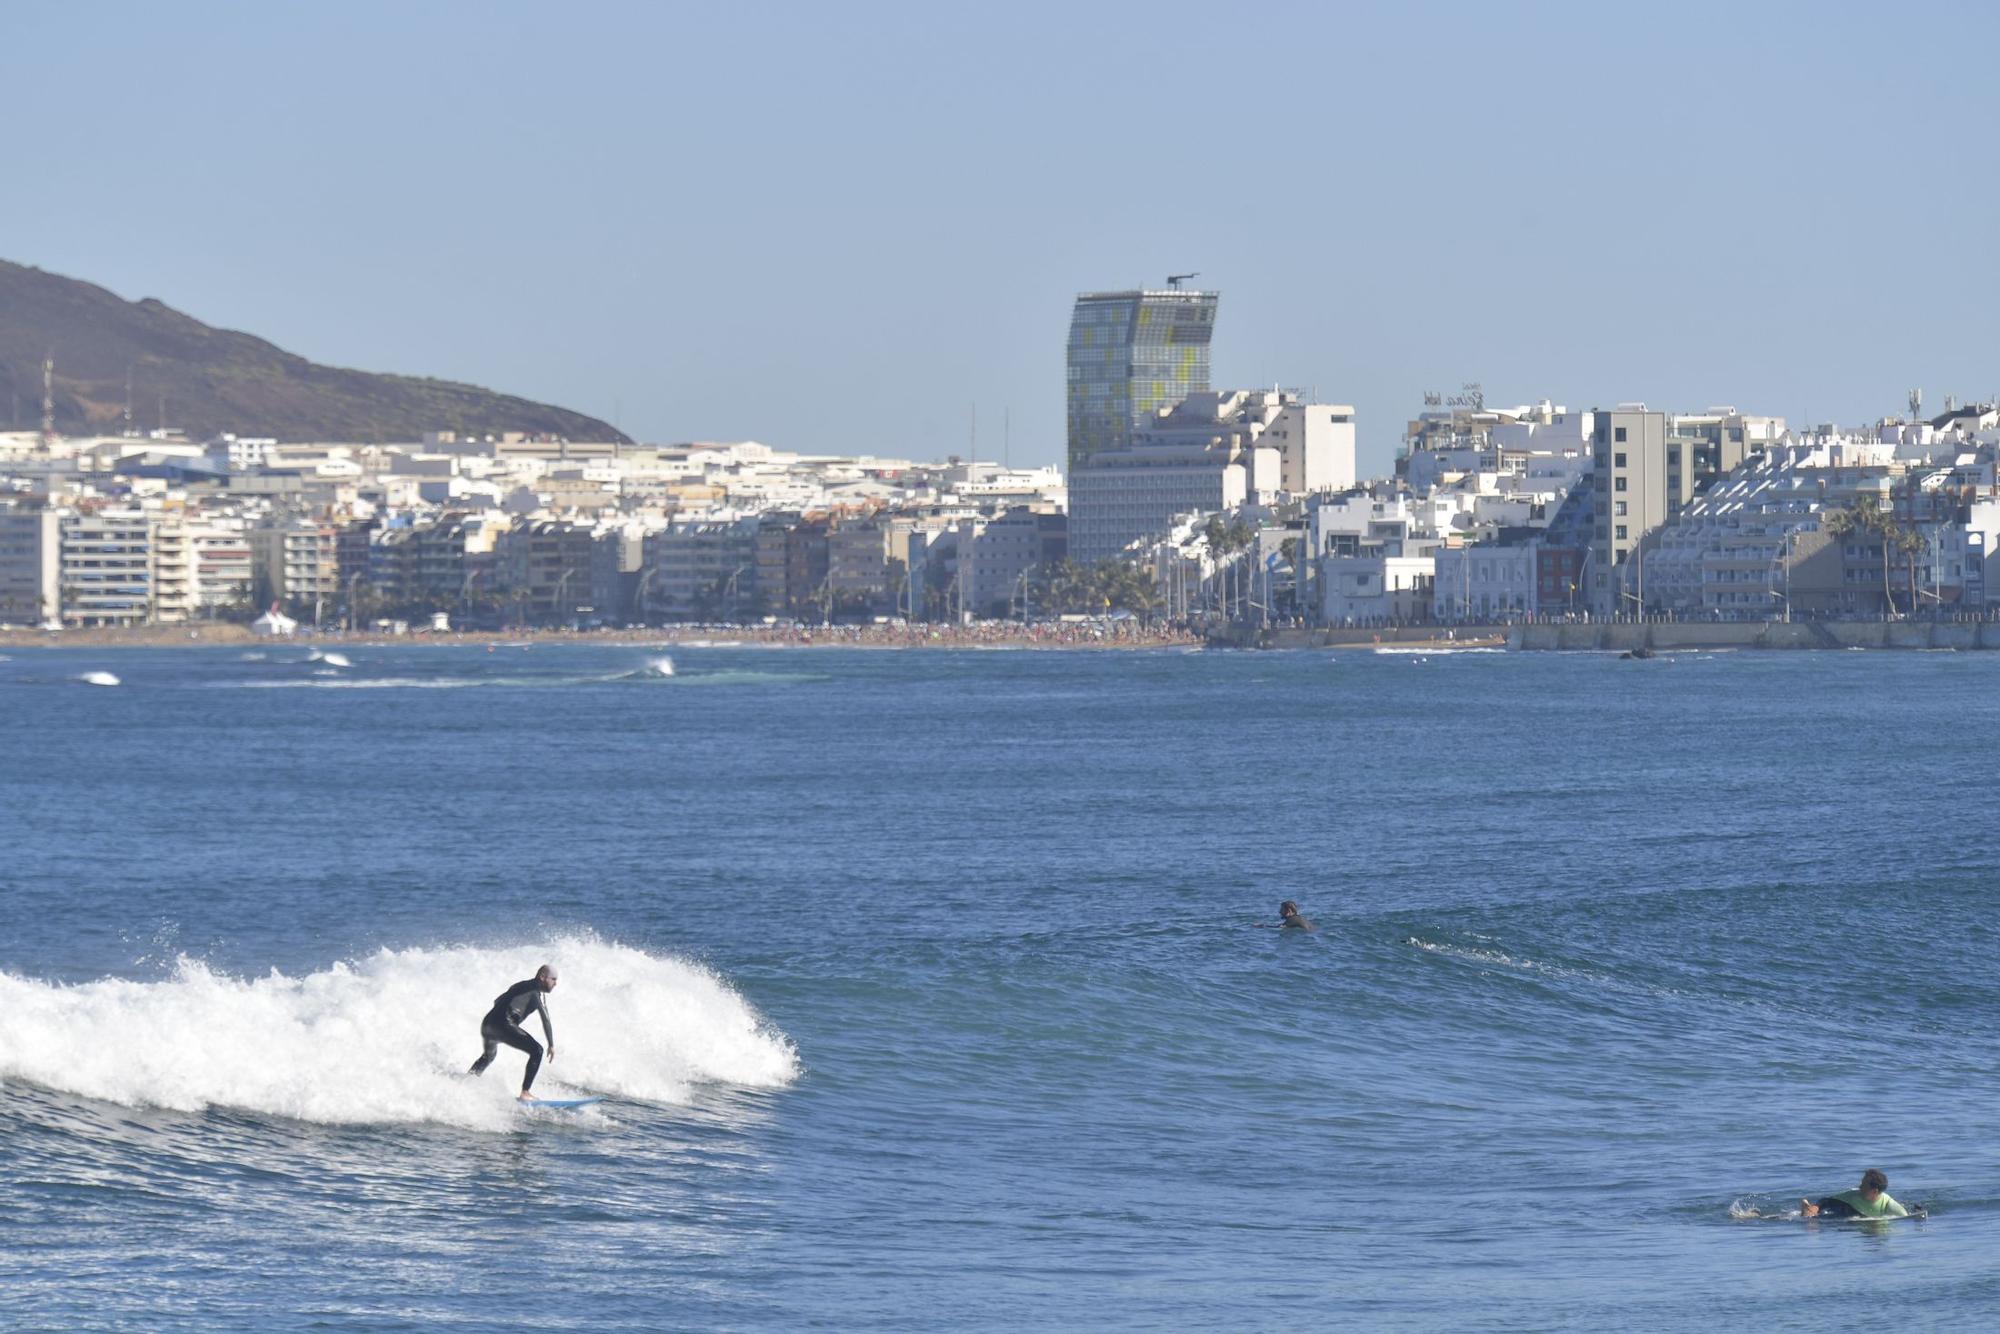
{"x":503,"y":1024}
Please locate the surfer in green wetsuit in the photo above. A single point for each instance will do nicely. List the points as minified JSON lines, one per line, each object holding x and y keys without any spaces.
{"x":1871,"y":1199}
{"x":503,"y":1024}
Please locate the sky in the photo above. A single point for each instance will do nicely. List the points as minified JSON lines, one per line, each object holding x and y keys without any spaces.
{"x":860,"y":228}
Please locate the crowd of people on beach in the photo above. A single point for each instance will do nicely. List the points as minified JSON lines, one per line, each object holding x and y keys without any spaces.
{"x":1096,"y":632}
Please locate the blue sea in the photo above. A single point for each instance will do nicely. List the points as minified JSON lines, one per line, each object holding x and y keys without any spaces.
{"x":927,"y":993}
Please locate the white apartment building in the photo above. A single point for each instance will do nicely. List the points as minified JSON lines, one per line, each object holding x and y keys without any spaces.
{"x":1372,"y":589}
{"x":1211,"y":452}
{"x":1486,"y":582}
{"x":295,"y":560}
{"x":240,"y":453}
{"x":224,"y":571}
{"x":176,"y":574}
{"x":1345,"y":525}
{"x":1008,"y":554}
{"x":107,"y":568}
{"x":1501,"y":440}
{"x":1755,"y":543}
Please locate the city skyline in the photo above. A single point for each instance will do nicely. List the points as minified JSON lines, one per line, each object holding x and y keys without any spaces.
{"x":775,"y":241}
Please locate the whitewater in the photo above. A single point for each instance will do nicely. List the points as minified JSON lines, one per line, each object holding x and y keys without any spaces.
{"x":386,"y":1038}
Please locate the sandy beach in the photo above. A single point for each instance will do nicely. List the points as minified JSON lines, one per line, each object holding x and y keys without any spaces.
{"x":1099,"y":635}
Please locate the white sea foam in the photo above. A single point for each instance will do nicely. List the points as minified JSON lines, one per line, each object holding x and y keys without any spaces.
{"x":98,"y":679}
{"x":388,"y":1038}
{"x":659,"y":670}
{"x":335,"y":659}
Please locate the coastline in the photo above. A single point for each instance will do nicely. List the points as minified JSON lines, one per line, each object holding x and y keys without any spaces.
{"x":1114,"y":635}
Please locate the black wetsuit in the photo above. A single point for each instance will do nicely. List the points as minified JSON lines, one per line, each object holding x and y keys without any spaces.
{"x":503,"y":1024}
{"x":1835,"y":1207}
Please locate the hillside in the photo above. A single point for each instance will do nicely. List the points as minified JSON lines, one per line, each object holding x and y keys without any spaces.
{"x":217,"y":380}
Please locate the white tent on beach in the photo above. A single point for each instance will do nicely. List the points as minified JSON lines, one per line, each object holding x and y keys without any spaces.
{"x":274,"y":622}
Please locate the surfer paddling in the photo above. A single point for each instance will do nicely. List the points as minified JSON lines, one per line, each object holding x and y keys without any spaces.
{"x":503,"y":1024}
{"x":1869,"y":1200}
{"x":1289,"y":919}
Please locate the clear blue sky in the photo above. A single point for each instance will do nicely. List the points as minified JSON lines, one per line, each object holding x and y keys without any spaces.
{"x":837,"y":227}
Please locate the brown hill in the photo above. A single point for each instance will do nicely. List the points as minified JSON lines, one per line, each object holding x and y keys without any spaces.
{"x":216,"y":380}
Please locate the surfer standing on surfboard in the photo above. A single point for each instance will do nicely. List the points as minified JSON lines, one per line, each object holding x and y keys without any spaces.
{"x":503,"y":1024}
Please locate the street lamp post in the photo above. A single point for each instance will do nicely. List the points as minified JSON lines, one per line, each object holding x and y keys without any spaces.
{"x":729,"y":590}
{"x":639,"y":593}
{"x":556,"y":602}
{"x":465,"y":591}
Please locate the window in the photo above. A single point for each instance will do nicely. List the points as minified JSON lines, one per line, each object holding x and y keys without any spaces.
{"x":1618,"y":508}
{"x":1618,"y":484}
{"x":1673,"y":458}
{"x":1618,"y":461}
{"x":1619,"y":434}
{"x":1621,"y":532}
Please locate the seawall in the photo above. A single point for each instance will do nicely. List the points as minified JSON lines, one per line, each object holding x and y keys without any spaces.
{"x":1761,"y":634}
{"x":1618,"y":638}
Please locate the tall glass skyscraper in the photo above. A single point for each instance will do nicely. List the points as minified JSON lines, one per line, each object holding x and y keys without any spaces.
{"x":1130,"y":354}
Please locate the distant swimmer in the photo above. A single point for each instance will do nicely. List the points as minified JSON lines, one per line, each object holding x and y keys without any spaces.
{"x":1870,"y":1200}
{"x":1289,"y":918}
{"x":503,"y":1024}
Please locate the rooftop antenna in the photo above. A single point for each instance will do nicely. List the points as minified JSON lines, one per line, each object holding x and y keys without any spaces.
{"x":1174,"y":280}
{"x":128,"y":400}
{"x":49,"y":399}
{"x":1916,"y":404}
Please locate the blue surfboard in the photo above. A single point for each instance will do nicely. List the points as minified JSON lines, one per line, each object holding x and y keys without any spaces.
{"x":562,"y":1104}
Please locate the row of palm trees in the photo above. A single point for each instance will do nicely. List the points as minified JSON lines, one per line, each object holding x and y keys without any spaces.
{"x":1867,"y":518}
{"x":1110,"y":585}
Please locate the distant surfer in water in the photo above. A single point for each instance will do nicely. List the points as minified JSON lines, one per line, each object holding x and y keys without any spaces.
{"x":1289,"y":918}
{"x":503,"y":1024}
{"x":1870,"y":1200}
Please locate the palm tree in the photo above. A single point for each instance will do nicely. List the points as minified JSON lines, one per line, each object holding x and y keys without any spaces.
{"x":1910,"y":541}
{"x":1865,"y":517}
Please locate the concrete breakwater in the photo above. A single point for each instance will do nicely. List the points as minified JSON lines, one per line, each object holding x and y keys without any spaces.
{"x":1662,"y":636}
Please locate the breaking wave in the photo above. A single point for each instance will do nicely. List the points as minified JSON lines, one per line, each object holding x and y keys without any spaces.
{"x":388,"y":1038}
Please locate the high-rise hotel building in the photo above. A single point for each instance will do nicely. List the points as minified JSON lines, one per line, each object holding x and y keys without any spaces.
{"x":1131,"y":354}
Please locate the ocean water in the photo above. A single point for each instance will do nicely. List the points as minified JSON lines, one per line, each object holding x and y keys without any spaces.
{"x":926,"y":991}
